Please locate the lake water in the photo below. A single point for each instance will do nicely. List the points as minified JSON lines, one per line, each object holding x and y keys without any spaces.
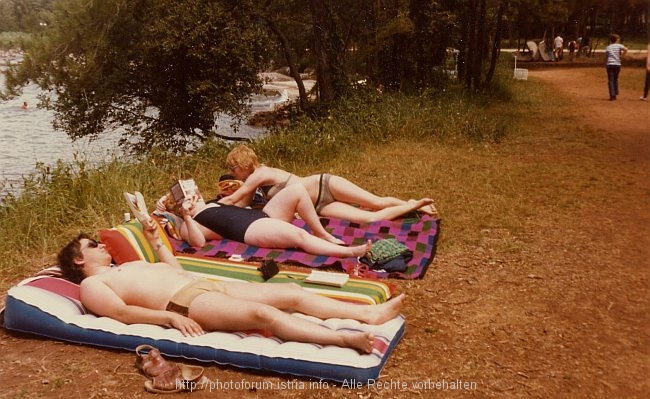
{"x":27,"y":136}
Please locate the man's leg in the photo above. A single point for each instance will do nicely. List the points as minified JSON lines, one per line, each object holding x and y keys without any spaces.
{"x":293,"y":297}
{"x":221,"y":312}
{"x":610,"y":83}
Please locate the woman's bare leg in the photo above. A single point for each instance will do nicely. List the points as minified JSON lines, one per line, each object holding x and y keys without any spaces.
{"x":291,"y":296}
{"x":348,"y":212}
{"x":275,"y":233}
{"x":347,"y":192}
{"x":344,"y":190}
{"x":295,"y":199}
{"x":213,"y":311}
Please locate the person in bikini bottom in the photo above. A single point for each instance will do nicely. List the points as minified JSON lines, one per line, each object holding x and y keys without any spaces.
{"x":325,"y":196}
{"x":180,"y":302}
{"x":164,"y":294}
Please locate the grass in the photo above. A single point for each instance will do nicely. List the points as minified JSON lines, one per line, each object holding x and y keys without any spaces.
{"x":441,"y":146}
{"x":13,"y":40}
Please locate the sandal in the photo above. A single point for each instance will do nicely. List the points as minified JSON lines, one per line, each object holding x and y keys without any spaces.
{"x":166,"y":377}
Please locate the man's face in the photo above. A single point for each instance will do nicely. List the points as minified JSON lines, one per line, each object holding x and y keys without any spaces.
{"x":94,"y":252}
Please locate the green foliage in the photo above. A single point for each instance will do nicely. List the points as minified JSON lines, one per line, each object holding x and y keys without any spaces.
{"x":14,"y":40}
{"x":60,"y":201}
{"x":160,"y":69}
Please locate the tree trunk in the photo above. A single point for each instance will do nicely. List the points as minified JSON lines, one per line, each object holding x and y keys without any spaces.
{"x":496,"y":45}
{"x":325,"y":51}
{"x":293,"y":70}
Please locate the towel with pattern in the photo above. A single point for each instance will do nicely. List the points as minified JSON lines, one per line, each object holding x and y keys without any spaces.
{"x":419,"y":233}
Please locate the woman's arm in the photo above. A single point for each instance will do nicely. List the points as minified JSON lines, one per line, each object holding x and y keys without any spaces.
{"x":261,"y":176}
{"x":191,"y":232}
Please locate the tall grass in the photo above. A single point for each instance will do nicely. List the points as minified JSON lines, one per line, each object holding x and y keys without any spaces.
{"x":59,"y":201}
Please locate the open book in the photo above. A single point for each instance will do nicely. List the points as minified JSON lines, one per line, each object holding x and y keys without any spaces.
{"x":138,"y":207}
{"x":182,"y":190}
{"x":327,"y":278}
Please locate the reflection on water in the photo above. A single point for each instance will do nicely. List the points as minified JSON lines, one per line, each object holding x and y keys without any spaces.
{"x":27,"y":136}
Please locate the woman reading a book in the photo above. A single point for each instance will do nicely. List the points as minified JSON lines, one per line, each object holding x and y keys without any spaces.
{"x":331,"y":195}
{"x":269,"y":227}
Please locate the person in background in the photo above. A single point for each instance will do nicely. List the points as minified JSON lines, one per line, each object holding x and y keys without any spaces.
{"x":25,"y":105}
{"x":573,"y":46}
{"x":558,"y":47}
{"x":614,"y":52}
{"x":646,"y":87}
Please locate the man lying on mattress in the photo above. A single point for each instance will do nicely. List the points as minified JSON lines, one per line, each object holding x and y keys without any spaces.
{"x":164,"y":294}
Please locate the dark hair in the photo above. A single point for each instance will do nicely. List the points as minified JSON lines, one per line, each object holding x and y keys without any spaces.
{"x":614,"y":37}
{"x":71,"y":252}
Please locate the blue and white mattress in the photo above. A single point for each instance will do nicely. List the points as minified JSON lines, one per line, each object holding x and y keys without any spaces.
{"x":49,"y":306}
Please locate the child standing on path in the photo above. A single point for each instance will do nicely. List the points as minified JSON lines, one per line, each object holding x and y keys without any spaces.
{"x":614,"y":52}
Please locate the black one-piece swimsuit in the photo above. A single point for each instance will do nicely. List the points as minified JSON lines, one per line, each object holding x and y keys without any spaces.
{"x":229,"y":221}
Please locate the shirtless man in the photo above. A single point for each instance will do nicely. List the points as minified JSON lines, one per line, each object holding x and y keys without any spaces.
{"x":331,"y":195}
{"x":164,"y":294}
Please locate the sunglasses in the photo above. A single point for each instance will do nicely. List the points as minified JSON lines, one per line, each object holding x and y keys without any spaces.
{"x":91,"y":244}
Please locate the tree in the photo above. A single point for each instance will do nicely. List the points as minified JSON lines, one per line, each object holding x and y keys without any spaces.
{"x":160,"y":69}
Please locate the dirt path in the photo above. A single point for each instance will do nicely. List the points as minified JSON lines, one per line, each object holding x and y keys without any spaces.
{"x":607,"y":284}
{"x":565,"y":314}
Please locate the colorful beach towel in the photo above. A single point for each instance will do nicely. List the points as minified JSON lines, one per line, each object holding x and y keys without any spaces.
{"x":419,"y":233}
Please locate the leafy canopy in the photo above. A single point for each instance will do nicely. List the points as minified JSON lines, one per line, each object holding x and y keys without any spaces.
{"x":158,"y":69}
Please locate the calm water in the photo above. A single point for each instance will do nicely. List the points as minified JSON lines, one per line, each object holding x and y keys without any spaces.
{"x":27,"y":137}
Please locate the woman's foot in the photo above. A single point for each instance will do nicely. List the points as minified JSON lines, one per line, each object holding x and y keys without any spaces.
{"x":360,"y":250}
{"x":429,"y":208}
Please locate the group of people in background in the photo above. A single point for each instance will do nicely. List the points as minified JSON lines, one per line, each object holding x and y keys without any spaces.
{"x":613,"y":55}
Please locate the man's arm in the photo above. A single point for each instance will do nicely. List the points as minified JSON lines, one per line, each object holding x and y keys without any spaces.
{"x":152,"y":235}
{"x":101,"y":300}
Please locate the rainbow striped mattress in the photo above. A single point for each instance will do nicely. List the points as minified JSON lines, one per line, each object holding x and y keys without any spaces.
{"x":49,"y":306}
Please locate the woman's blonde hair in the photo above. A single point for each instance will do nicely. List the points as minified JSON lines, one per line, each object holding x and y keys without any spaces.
{"x":242,"y":156}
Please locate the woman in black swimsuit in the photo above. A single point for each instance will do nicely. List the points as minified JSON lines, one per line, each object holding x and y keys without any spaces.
{"x":267,"y":228}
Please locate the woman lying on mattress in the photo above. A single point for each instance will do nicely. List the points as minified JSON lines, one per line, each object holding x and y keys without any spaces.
{"x":165,"y":294}
{"x":269,"y":227}
{"x":331,"y":195}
